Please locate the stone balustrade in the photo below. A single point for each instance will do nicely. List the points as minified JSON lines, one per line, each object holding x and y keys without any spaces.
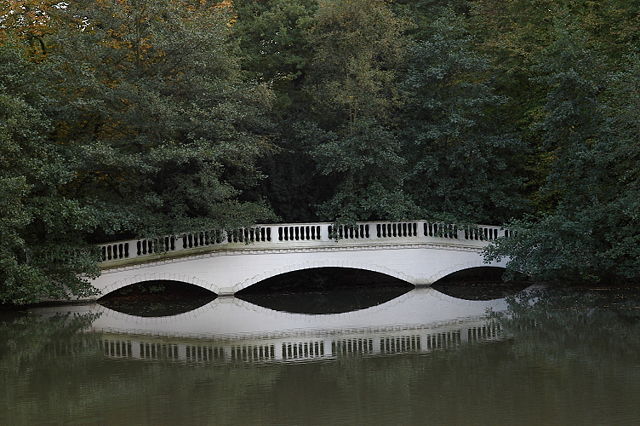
{"x":305,"y":235}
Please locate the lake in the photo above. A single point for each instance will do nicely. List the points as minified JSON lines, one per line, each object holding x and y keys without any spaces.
{"x":419,"y":356}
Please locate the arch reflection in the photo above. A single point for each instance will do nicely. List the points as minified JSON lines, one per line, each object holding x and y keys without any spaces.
{"x":325,"y":291}
{"x":157,"y":298}
{"x":482,"y":283}
{"x":233,"y":330}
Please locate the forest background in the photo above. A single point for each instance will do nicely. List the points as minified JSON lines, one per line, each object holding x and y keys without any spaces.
{"x":122,"y":118}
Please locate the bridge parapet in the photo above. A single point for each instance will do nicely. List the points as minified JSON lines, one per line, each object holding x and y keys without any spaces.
{"x":301,"y":235}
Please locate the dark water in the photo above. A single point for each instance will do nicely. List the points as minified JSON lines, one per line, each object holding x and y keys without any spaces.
{"x":558,"y":357}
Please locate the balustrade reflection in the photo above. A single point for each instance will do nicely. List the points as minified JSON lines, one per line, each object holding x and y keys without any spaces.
{"x":364,"y":343}
{"x":231,"y":330}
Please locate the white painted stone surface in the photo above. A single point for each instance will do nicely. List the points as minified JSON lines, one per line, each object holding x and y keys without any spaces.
{"x":417,"y":252}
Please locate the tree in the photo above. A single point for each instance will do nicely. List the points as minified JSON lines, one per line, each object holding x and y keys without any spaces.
{"x":276,"y":50}
{"x":167,"y":128}
{"x":43,"y":248}
{"x":464,"y":161}
{"x":135,"y":119}
{"x":353,"y":85}
{"x":590,"y":231}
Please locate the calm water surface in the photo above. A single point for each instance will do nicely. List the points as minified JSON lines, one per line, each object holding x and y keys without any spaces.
{"x":422,"y":357}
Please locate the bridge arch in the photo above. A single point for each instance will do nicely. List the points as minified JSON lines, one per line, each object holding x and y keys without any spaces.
{"x":451,"y":269}
{"x":150,"y":276}
{"x":318,"y":264}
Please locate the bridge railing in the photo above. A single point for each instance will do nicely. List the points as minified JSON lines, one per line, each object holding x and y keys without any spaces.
{"x":306,"y":234}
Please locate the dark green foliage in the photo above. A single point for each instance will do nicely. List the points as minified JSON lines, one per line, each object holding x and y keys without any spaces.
{"x":276,"y":50}
{"x":271,"y":35}
{"x":464,"y":161}
{"x":137,"y":121}
{"x":353,"y":84}
{"x":139,"y":118}
{"x":591,"y":231}
{"x":43,"y":249}
{"x":166,"y":127}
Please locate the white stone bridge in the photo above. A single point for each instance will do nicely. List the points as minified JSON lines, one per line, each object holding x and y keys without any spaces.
{"x":226,"y":262}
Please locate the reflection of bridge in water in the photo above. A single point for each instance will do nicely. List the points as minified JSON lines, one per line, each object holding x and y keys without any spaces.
{"x":362,"y":343}
{"x":232,"y":330}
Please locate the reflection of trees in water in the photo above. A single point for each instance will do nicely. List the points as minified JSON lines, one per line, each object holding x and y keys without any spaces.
{"x":26,"y":339}
{"x":593,"y":326}
{"x":39,"y":352}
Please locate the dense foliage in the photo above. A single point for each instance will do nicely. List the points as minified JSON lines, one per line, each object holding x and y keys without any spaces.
{"x":136,"y":117}
{"x":129,"y":117}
